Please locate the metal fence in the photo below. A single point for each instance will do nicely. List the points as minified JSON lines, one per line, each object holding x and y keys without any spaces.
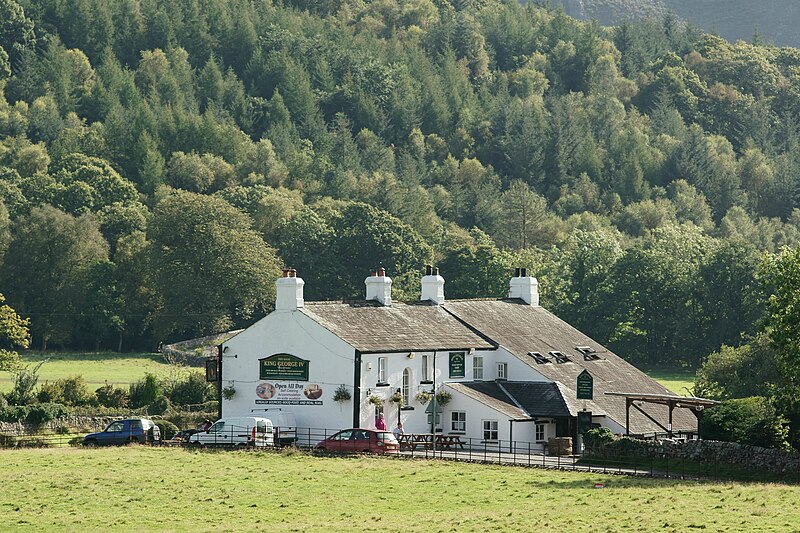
{"x":456,"y":448}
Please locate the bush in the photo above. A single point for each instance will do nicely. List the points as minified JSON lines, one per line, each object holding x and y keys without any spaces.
{"x":752,"y":421}
{"x":69,"y":391}
{"x":7,"y":441}
{"x":160,"y":406}
{"x":40,"y":413}
{"x":25,"y":382}
{"x":192,"y":389}
{"x":14,"y":413}
{"x":111,"y":396}
{"x":145,"y":391}
{"x":168,"y":429}
{"x":598,"y":438}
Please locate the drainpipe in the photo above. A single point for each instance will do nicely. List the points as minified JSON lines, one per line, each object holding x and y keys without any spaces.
{"x":219,"y":380}
{"x":357,"y":390}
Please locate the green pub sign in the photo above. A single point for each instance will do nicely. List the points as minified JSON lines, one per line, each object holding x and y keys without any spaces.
{"x":585,"y":385}
{"x":457,"y":364}
{"x":283,"y":366}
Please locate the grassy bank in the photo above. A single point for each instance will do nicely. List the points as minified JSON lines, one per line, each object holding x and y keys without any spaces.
{"x":96,"y":368}
{"x":139,"y":488}
{"x":678,"y":381}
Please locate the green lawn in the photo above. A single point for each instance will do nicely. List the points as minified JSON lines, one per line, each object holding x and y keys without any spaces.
{"x":96,"y":368}
{"x":678,"y":381}
{"x":145,"y":489}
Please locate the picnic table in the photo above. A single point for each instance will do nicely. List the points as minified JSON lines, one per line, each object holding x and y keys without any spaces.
{"x":426,"y":441}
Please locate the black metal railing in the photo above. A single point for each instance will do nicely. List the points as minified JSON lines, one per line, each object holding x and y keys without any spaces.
{"x":453,"y":448}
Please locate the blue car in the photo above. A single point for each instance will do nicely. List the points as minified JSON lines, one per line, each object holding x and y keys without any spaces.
{"x":130,"y":430}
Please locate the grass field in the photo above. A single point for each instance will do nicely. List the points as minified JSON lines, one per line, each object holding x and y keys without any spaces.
{"x":678,"y":381}
{"x":96,"y":368}
{"x":145,"y":489}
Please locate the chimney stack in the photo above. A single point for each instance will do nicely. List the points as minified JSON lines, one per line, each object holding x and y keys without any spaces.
{"x":432,"y":286}
{"x":524,"y":287}
{"x":379,"y":287}
{"x":289,"y":291}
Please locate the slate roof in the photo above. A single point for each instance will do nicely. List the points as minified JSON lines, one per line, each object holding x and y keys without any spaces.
{"x":521,"y":328}
{"x":529,"y":399}
{"x":368,"y":326}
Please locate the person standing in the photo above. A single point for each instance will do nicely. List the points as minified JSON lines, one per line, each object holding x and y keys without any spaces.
{"x":380,"y":424}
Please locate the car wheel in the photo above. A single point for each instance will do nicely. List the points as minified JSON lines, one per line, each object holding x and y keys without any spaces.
{"x":91,"y":443}
{"x":133,"y":440}
{"x":365,"y":451}
{"x":195,"y":445}
{"x":321,"y":449}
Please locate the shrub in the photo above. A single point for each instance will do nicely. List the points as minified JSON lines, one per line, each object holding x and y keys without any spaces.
{"x":192,"y":389}
{"x":740,"y":372}
{"x":598,"y":438}
{"x":25,"y":382}
{"x":7,"y":441}
{"x":160,"y":406}
{"x":752,"y":421}
{"x":14,"y":413}
{"x":40,"y":413}
{"x":145,"y":391}
{"x":111,"y":396}
{"x":69,"y":391}
{"x":168,"y":429}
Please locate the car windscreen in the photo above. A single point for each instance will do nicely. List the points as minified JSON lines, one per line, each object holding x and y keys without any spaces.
{"x":385,"y":436}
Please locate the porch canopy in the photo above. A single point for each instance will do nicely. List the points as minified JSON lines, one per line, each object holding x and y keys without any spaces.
{"x":670,"y":400}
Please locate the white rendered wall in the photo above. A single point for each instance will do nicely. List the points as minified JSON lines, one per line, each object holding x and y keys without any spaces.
{"x":330,"y":365}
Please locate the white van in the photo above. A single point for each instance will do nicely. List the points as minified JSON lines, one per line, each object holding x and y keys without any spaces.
{"x":236,"y":431}
{"x":285,"y":424}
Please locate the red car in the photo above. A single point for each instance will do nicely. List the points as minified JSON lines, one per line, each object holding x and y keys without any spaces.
{"x":360,"y":441}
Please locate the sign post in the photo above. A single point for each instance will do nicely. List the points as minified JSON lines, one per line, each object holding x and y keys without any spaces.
{"x":585,"y":385}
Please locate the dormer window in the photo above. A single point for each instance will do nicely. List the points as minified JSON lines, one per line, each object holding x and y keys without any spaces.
{"x":589,"y":353}
{"x":560,"y":358}
{"x":539,"y":358}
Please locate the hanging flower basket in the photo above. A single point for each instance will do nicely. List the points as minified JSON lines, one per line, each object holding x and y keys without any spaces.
{"x":341,"y":394}
{"x":377,"y":401}
{"x":423,"y":397}
{"x":397,"y":398}
{"x":228,"y":393}
{"x":443,"y":397}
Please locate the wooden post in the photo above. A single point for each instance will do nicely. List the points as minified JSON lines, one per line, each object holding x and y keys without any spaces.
{"x":627,"y":416}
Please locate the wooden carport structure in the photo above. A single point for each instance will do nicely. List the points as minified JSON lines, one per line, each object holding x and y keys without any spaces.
{"x":696,"y":405}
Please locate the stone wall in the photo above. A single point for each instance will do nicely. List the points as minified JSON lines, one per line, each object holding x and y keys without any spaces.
{"x":84,"y":423}
{"x":708,"y":451}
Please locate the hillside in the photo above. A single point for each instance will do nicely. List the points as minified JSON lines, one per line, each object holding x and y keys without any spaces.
{"x":161,"y":160}
{"x":775,"y":20}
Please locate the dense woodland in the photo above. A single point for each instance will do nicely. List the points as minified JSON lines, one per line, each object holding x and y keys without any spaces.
{"x":160,"y":160}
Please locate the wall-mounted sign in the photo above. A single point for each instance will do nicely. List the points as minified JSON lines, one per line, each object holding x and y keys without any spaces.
{"x":283,"y":366}
{"x":212,"y":369}
{"x":585,"y":385}
{"x":457,"y":364}
{"x":281,"y":393}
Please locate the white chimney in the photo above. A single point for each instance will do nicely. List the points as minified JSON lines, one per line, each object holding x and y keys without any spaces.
{"x":379,"y":287}
{"x":432,"y":286}
{"x":289,"y":291}
{"x":524,"y":287}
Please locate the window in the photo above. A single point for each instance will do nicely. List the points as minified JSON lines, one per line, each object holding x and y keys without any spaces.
{"x":502,"y":371}
{"x":116,"y":426}
{"x":458,"y":421}
{"x":477,"y":367}
{"x":382,"y":369}
{"x":406,"y":390}
{"x":539,"y":358}
{"x":539,"y":432}
{"x":490,"y":430}
{"x":344,"y":435}
{"x":560,"y":357}
{"x":425,"y":371}
{"x":219,"y":427}
{"x":589,"y":354}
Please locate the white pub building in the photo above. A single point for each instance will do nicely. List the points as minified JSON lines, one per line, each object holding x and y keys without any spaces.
{"x":504,"y":369}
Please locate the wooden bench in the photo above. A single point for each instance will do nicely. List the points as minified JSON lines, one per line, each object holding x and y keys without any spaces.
{"x":426,"y":441}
